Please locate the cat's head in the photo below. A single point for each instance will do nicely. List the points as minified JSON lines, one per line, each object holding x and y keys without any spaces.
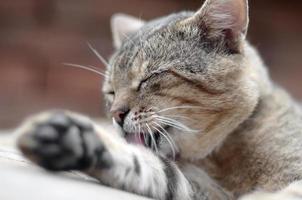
{"x":183,"y":80}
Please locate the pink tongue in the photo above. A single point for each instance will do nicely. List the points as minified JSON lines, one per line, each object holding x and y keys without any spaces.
{"x":135,"y":139}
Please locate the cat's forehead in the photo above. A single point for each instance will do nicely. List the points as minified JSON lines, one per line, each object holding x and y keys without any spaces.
{"x":153,"y":43}
{"x":158,"y":26}
{"x":161,"y":44}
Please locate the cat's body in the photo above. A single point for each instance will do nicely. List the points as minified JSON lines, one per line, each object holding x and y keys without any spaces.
{"x":264,"y":152}
{"x":190,"y":87}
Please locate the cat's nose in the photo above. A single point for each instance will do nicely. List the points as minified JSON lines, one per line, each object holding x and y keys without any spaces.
{"x":119,"y":115}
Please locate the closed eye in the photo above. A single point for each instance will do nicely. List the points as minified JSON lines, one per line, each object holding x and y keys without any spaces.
{"x":154,"y":74}
{"x":110,"y":93}
{"x":141,"y":83}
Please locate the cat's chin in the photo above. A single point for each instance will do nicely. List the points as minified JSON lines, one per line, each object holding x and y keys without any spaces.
{"x":145,"y":139}
{"x":135,"y":138}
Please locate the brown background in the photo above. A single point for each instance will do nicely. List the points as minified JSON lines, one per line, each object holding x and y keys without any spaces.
{"x":36,"y":36}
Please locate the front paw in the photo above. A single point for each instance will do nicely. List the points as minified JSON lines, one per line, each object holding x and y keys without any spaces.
{"x":62,"y":141}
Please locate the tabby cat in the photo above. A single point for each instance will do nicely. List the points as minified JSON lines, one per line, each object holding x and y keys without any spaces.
{"x":197,"y":115}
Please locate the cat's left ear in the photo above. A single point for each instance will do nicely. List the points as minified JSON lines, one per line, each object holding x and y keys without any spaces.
{"x":122,"y":26}
{"x":223,"y":19}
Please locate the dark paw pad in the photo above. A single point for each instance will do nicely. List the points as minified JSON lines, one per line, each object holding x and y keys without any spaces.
{"x":64,"y":143}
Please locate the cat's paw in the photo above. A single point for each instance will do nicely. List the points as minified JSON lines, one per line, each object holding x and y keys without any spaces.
{"x":62,"y":141}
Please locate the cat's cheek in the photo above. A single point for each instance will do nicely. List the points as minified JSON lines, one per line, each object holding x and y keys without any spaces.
{"x":108,"y":103}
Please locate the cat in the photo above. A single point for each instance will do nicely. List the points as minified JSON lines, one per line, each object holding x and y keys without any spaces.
{"x":197,"y":115}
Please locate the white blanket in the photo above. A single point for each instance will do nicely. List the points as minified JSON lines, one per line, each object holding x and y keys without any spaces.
{"x":21,"y":180}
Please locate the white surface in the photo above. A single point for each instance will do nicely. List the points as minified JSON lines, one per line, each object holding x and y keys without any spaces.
{"x":30,"y":183}
{"x":20,"y":180}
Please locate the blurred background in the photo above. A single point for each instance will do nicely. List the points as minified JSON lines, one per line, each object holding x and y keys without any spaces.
{"x":36,"y":36}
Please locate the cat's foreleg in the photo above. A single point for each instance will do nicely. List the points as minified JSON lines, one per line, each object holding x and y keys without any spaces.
{"x":66,"y":141}
{"x":203,"y":186}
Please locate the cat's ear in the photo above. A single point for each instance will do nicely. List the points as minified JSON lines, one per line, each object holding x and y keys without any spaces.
{"x":227,"y":19}
{"x":123,"y":25}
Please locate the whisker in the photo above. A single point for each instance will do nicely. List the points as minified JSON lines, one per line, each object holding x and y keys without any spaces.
{"x":179,"y":107}
{"x":152,"y":137}
{"x":165,"y":136}
{"x":170,"y":122}
{"x":168,"y":135}
{"x":186,"y":129}
{"x":140,"y":137}
{"x":135,"y":132}
{"x":175,"y":123}
{"x":88,"y":68}
{"x":144,"y":134}
{"x":101,"y":58}
{"x":178,"y":116}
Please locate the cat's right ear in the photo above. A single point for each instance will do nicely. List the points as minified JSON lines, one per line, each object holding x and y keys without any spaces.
{"x":222,"y":20}
{"x":122,"y":26}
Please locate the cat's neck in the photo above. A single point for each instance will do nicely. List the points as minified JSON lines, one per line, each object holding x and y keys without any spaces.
{"x":257,"y":70}
{"x":273,"y":105}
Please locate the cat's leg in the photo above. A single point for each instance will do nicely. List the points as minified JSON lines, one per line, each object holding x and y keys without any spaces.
{"x":292,"y":192}
{"x":66,"y":141}
{"x":204,"y":187}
